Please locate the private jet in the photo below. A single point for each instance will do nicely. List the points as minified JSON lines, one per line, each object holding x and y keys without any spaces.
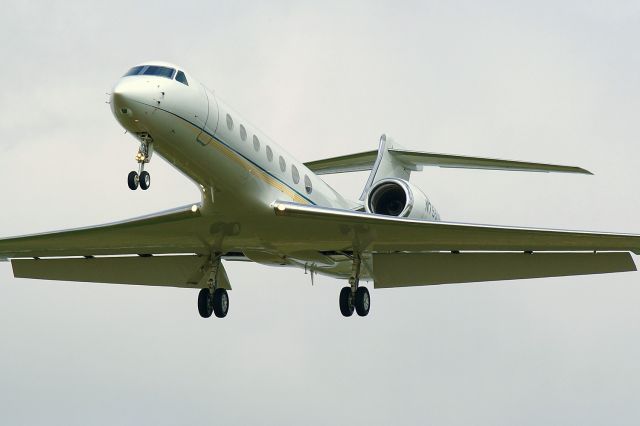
{"x":259,"y":204}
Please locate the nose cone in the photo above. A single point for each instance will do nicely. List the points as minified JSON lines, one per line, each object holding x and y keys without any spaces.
{"x":130,"y":98}
{"x":129,"y":91}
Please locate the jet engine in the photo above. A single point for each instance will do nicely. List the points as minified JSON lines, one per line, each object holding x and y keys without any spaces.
{"x":398,"y":197}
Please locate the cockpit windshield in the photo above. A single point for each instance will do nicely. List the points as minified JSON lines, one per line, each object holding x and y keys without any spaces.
{"x":157,"y":70}
{"x":134,"y":71}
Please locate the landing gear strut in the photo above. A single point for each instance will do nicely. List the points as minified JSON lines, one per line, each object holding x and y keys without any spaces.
{"x":213,"y":299}
{"x":353,"y":296}
{"x":142,"y":178}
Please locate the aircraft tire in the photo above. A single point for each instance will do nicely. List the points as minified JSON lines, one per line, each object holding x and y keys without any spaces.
{"x":145,"y":180}
{"x":346,"y":302}
{"x":205,"y":305}
{"x":363,"y":301}
{"x":133,"y":180}
{"x":220,"y":302}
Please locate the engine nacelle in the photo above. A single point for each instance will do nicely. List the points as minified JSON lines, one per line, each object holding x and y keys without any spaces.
{"x":397,"y":197}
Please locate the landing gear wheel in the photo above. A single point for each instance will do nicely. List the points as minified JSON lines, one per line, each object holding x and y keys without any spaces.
{"x":220,"y":302}
{"x":133,"y":180}
{"x":363,"y":301}
{"x":346,"y":302}
{"x":205,"y":303}
{"x":145,"y":180}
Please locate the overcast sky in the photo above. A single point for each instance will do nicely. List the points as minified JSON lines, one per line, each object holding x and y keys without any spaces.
{"x":539,"y":81}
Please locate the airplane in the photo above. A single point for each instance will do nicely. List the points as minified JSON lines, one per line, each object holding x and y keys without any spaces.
{"x":259,"y":204}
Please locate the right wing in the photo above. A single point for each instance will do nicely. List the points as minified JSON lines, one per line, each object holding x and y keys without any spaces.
{"x":180,"y":232}
{"x":173,"y":231}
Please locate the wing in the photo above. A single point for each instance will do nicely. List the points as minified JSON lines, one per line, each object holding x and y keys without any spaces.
{"x":332,"y":229}
{"x":177,"y":231}
{"x":173,"y":231}
{"x":415,"y":159}
{"x":410,"y":252}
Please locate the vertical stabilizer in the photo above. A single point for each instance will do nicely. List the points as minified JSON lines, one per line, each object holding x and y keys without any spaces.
{"x":386,"y":165}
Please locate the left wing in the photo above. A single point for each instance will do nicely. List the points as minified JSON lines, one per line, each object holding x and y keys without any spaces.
{"x":408,"y":252}
{"x":328,"y":229}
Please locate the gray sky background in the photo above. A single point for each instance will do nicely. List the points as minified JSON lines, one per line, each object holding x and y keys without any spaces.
{"x":539,"y":81}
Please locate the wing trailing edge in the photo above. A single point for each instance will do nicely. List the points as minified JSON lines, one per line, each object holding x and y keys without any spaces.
{"x":413,"y":269}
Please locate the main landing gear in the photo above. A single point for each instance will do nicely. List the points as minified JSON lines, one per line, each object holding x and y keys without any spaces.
{"x":142,"y":178}
{"x":213,"y":299}
{"x":355,"y":297}
{"x":216,"y":302}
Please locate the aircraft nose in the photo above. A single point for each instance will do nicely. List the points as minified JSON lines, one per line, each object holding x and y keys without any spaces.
{"x":127,"y":93}
{"x":130,"y":98}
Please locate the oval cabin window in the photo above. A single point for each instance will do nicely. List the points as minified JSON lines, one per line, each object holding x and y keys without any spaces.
{"x":307,"y":184}
{"x":294,"y":174}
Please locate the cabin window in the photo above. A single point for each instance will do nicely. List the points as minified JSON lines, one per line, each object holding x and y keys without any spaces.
{"x":269,"y":153}
{"x":283,"y":164}
{"x":256,"y":143}
{"x":294,"y":174}
{"x":243,"y":133}
{"x":229,"y":122}
{"x":159,"y":71}
{"x":182,"y":78}
{"x":307,"y":184}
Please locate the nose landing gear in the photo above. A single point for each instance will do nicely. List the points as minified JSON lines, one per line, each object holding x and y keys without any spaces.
{"x":142,"y":178}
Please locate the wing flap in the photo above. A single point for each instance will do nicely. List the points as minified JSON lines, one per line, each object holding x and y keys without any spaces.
{"x":327,"y":229}
{"x":413,"y":269}
{"x":175,"y":271}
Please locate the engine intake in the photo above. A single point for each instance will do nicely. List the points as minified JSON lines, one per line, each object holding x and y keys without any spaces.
{"x":397,"y":197}
{"x":389,"y":198}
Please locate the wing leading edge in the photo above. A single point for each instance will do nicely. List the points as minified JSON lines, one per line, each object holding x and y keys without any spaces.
{"x":340,"y":229}
{"x":173,"y":231}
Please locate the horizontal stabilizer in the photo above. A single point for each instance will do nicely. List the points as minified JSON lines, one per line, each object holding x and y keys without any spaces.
{"x":414,"y":269}
{"x":358,"y":162}
{"x":414,"y":160}
{"x":417,"y":158}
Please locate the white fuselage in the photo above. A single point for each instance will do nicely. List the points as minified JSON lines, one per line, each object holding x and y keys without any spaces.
{"x":239,"y":170}
{"x":209,"y":142}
